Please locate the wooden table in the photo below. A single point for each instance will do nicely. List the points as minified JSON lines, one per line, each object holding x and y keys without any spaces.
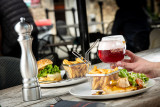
{"x":12,"y":97}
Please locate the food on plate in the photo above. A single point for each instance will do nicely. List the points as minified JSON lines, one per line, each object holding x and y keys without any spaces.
{"x":99,"y":82}
{"x":96,"y":70}
{"x":134,"y":78}
{"x":123,"y":82}
{"x":46,"y":72}
{"x":117,"y":82}
{"x":127,"y":82}
{"x":77,"y":61}
{"x":115,"y":89}
{"x":75,"y":69}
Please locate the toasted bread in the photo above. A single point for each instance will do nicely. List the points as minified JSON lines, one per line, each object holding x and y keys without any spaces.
{"x":43,"y":62}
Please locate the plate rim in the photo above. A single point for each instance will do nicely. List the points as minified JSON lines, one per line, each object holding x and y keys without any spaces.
{"x":65,"y":82}
{"x":112,"y":96}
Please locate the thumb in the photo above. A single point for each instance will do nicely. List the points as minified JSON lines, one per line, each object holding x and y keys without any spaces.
{"x":126,"y":65}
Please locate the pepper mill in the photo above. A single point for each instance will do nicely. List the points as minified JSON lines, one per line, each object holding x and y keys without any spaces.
{"x":28,"y":66}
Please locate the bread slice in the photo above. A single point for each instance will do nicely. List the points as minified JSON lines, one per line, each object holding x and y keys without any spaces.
{"x":51,"y":78}
{"x":43,"y":62}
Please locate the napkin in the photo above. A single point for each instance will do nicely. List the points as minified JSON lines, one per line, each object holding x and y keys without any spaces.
{"x":65,"y":103}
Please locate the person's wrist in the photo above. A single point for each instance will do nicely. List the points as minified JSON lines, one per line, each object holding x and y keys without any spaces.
{"x":157,"y":69}
{"x":154,"y":69}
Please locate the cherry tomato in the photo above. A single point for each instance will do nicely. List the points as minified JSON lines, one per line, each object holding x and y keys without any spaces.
{"x":139,"y":82}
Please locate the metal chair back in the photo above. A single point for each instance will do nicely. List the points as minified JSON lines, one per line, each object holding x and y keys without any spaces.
{"x":9,"y":72}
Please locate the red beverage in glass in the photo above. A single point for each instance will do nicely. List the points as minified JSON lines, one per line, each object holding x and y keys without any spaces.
{"x":112,"y":55}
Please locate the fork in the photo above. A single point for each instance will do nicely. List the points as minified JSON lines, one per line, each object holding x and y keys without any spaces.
{"x":56,"y":100}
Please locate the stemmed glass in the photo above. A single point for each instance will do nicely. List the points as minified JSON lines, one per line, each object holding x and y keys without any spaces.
{"x":112,"y":49}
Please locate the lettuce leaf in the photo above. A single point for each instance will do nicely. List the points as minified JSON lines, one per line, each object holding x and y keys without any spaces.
{"x":132,"y":76}
{"x":49,"y":69}
{"x":123,"y":73}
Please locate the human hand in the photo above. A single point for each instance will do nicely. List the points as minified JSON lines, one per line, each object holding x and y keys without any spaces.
{"x":137,"y":64}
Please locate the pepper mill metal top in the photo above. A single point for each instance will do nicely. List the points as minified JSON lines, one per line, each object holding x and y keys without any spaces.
{"x":28,"y":64}
{"x":23,"y":27}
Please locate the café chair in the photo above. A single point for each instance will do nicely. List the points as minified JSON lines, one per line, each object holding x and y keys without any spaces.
{"x":44,"y":37}
{"x":64,"y":41}
{"x":109,"y":28}
{"x":63,"y":32}
{"x":154,"y":38}
{"x":65,"y":36}
{"x":43,"y":50}
{"x":9,"y":72}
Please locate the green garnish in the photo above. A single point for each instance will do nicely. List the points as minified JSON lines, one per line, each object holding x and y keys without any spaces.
{"x":132,"y":76}
{"x":123,"y":73}
{"x":49,"y":69}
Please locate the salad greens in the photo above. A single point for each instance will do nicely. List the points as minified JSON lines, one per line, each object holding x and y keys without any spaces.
{"x":49,"y":69}
{"x":133,"y":76}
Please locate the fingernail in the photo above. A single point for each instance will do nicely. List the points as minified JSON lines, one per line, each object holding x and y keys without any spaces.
{"x":119,"y":63}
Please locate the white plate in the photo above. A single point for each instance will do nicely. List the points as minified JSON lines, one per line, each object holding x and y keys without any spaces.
{"x":84,"y":91}
{"x":64,"y":82}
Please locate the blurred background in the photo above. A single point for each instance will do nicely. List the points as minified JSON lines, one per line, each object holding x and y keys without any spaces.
{"x":58,"y":25}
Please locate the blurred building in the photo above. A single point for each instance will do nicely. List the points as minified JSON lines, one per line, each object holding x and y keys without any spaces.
{"x":93,"y":10}
{"x":109,"y":8}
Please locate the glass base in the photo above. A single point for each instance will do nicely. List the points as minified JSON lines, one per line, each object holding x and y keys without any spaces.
{"x":113,"y":65}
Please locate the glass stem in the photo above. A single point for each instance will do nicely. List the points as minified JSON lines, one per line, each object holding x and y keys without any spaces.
{"x":113,"y":65}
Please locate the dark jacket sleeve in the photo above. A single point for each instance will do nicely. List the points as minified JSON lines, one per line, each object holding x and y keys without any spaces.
{"x":10,"y":13}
